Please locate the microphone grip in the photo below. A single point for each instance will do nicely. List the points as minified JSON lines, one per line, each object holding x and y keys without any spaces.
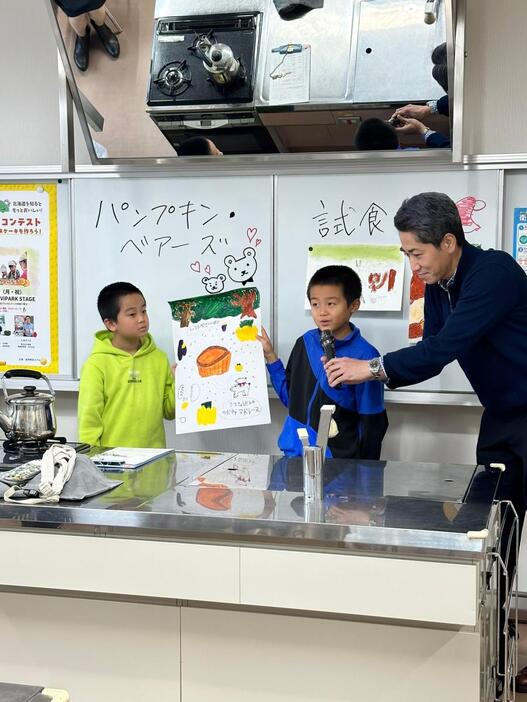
{"x":328,"y":346}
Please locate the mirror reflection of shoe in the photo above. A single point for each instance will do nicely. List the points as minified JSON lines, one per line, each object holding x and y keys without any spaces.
{"x":521,"y":680}
{"x":81,"y":52}
{"x":108,"y":39}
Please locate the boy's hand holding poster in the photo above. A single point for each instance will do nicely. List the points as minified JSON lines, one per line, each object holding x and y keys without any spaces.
{"x":220,"y":376}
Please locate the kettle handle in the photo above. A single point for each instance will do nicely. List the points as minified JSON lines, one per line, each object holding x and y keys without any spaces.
{"x":23,"y":373}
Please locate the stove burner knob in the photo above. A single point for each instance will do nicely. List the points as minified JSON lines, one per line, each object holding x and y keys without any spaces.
{"x":216,"y":55}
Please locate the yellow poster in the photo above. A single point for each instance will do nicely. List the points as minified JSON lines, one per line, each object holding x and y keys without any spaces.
{"x":28,"y":277}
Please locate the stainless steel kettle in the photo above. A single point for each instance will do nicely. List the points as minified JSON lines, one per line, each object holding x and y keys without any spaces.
{"x":29,"y":415}
{"x":219,"y":61}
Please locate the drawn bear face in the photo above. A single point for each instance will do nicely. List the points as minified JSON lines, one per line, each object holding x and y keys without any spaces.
{"x":241,"y":270}
{"x":215,"y":284}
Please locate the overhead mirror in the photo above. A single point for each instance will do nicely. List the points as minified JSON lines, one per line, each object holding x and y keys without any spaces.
{"x":158,"y":78}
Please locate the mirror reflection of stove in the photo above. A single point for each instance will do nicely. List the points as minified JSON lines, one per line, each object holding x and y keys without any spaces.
{"x":177,"y":73}
{"x":18,"y":452}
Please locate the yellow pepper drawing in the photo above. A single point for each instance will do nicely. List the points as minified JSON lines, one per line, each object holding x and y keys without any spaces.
{"x":206,"y":414}
{"x":247,"y":331}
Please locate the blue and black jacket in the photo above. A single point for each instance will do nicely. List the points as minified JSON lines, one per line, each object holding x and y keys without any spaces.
{"x":303,"y":388}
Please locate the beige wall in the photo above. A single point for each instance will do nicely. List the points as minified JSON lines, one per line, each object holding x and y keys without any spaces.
{"x":495,"y":77}
{"x":29,"y":133}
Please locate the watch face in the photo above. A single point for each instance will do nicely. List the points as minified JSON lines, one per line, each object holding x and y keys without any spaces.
{"x":375,"y":367}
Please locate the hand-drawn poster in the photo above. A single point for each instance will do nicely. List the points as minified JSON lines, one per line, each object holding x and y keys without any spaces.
{"x":380,"y":268}
{"x":28,"y":277}
{"x":519,"y":235}
{"x":220,"y":376}
{"x":416,"y":324}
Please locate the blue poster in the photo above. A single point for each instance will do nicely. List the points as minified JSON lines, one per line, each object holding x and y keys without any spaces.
{"x":519,"y":238}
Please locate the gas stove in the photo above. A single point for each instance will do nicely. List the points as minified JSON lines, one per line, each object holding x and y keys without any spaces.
{"x":18,"y":452}
{"x":177,"y":74}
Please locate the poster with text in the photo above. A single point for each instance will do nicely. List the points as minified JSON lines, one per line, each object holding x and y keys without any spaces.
{"x":220,"y":376}
{"x":380,"y":268}
{"x":28,"y":277}
{"x":519,"y":236}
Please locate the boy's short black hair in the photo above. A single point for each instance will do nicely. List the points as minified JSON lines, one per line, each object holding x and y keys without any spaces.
{"x":430,"y":216}
{"x":194,"y":146}
{"x":344,"y":276}
{"x":109,"y":300}
{"x":375,"y":134}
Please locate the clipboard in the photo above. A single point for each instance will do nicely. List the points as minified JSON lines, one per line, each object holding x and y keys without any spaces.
{"x":289,"y":74}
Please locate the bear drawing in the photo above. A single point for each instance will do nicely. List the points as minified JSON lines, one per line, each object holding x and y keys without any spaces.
{"x":215,"y":284}
{"x":241,"y":270}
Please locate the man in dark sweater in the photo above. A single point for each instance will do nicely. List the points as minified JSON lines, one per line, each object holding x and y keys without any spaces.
{"x":475,"y":313}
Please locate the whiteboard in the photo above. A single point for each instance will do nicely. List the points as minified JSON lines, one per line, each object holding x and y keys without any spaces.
{"x":170,"y":237}
{"x":359,"y":209}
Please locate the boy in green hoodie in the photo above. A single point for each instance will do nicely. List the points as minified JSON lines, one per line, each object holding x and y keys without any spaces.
{"x":127,"y":385}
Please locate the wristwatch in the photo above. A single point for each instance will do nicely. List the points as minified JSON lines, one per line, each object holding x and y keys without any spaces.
{"x":376,"y":368}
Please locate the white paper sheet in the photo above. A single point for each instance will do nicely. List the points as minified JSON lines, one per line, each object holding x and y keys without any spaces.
{"x":220,"y":376}
{"x":290,"y":77}
{"x":380,"y":268}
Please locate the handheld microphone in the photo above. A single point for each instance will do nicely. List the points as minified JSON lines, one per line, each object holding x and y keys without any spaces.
{"x":328,"y":344}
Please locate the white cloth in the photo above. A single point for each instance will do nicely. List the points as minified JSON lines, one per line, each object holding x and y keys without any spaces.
{"x":57,"y":466}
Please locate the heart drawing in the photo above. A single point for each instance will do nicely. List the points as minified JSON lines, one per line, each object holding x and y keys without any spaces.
{"x":207,"y":270}
{"x":195,"y":267}
{"x":251,"y":233}
{"x":258,"y":241}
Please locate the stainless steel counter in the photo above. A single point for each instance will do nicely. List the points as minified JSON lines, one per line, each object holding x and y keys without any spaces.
{"x":422,"y":509}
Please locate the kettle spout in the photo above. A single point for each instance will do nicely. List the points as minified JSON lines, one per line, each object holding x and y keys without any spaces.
{"x":6,"y":422}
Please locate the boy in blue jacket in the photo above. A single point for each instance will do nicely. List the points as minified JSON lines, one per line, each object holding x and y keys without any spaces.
{"x":334,"y":294}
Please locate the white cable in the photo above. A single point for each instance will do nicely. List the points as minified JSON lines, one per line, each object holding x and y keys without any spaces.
{"x":56,"y":469}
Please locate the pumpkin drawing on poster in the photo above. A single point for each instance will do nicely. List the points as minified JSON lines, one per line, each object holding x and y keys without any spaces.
{"x":220,"y":375}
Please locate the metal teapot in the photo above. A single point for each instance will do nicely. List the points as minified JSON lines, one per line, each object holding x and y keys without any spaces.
{"x":219,"y":61}
{"x":30,"y":415}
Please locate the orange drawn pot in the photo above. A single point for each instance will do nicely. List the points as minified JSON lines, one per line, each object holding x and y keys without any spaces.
{"x":214,"y":360}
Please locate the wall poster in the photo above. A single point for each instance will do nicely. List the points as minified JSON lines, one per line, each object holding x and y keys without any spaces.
{"x":220,"y":375}
{"x":28,"y":277}
{"x":379,"y":266}
{"x":519,"y":236}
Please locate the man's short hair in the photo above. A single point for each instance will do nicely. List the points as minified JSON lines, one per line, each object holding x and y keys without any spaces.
{"x":430,"y":216}
{"x":440,"y":74}
{"x":194,"y":146}
{"x":344,"y":276}
{"x":439,"y":54}
{"x":375,"y":134}
{"x":109,"y":300}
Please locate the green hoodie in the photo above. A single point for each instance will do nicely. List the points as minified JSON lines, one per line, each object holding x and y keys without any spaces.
{"x":123,"y":397}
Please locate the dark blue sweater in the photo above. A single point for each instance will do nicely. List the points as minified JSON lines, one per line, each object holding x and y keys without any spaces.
{"x":483,"y":327}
